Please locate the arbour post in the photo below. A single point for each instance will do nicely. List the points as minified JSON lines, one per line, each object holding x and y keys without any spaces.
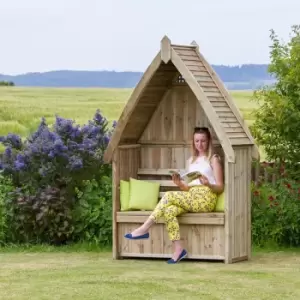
{"x":115,"y":200}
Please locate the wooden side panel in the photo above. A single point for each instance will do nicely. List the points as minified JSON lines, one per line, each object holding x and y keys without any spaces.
{"x":238,"y":207}
{"x":125,"y":164}
{"x":167,"y":139}
{"x":175,"y":118}
{"x":129,"y":161}
{"x":164,"y":157}
{"x":168,"y":156}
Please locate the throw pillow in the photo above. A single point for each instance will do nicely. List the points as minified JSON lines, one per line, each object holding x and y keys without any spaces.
{"x":143,"y":194}
{"x":220,"y":206}
{"x":124,"y":194}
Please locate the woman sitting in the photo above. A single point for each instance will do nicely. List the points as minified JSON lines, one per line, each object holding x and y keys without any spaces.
{"x":200,"y":195}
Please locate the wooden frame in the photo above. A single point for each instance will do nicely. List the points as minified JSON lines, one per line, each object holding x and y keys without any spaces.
{"x":154,"y":135}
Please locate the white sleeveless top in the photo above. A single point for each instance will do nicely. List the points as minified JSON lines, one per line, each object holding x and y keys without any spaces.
{"x":202,"y":165}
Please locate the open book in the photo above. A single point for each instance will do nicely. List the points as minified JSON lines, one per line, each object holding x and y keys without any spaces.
{"x":187,"y":176}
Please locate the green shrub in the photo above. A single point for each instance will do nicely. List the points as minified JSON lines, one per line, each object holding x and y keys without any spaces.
{"x":46,"y":170}
{"x":276,"y":213}
{"x":6,"y":188}
{"x":93,"y":213}
{"x":43,"y":216}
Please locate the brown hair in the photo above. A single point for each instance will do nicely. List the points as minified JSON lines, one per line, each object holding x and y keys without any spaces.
{"x":205,"y":131}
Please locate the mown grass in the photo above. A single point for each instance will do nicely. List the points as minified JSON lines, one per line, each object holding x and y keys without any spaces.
{"x":73,"y":273}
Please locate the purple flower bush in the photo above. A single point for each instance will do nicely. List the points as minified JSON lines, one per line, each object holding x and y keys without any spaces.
{"x":46,"y":170}
{"x":63,"y":156}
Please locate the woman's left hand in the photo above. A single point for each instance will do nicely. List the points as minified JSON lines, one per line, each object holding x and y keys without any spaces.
{"x":176,"y":179}
{"x":203,"y":179}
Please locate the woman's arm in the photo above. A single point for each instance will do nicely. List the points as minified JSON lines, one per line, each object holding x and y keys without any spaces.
{"x":218,"y":173}
{"x":183,"y":186}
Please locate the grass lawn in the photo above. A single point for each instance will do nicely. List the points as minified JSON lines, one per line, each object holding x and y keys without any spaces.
{"x":72,"y":274}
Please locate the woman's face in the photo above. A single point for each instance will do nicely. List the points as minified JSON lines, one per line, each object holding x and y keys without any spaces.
{"x":201,"y":142}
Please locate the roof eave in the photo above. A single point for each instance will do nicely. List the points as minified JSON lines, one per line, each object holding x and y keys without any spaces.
{"x":130,"y":106}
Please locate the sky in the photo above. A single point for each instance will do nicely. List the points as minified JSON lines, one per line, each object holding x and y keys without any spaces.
{"x":125,"y":35}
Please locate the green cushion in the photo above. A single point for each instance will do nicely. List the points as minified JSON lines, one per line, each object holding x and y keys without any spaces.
{"x":143,"y":194}
{"x":220,"y":206}
{"x":124,"y":194}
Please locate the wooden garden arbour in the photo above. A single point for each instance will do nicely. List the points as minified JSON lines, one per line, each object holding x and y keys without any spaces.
{"x":178,"y":91}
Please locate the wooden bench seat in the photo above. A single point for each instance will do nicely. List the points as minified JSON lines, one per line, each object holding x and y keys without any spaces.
{"x":162,"y":177}
{"x":202,"y":234}
{"x":186,"y":218}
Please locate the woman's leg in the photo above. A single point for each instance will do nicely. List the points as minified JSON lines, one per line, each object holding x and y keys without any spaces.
{"x":157,"y":213}
{"x":169,"y":207}
{"x":197,"y":199}
{"x":170,"y":215}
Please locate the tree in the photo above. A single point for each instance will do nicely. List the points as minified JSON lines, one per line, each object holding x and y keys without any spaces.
{"x":6,"y":83}
{"x":277,"y":121}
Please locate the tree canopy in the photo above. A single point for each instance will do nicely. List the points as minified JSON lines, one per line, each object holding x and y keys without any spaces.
{"x":277,"y":121}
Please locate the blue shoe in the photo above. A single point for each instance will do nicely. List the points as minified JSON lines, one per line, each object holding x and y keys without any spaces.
{"x":182,"y":255}
{"x":139,"y":237}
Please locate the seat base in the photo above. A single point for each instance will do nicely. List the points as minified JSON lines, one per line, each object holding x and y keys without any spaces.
{"x":202,"y":235}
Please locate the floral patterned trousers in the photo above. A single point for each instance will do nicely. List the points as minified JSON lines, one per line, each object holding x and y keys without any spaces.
{"x":198,"y":199}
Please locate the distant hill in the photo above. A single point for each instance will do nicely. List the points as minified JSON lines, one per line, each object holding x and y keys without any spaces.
{"x":235,"y":77}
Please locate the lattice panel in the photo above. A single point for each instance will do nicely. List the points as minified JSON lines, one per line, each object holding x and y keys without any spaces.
{"x":179,"y":79}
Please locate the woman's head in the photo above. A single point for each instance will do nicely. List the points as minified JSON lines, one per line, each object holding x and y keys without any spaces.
{"x":202,"y":142}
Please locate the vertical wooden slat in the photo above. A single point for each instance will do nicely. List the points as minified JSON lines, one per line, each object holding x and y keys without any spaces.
{"x":236,"y":207}
{"x":186,"y":103}
{"x":229,"y":206}
{"x":243,"y":168}
{"x":179,"y":115}
{"x":248,"y":195}
{"x":115,"y":200}
{"x":167,"y":118}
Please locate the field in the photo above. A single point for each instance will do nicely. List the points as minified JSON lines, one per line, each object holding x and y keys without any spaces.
{"x":21,"y":109}
{"x":78,"y":274}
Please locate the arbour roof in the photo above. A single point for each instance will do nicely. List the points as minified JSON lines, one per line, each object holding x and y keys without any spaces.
{"x":213,"y":97}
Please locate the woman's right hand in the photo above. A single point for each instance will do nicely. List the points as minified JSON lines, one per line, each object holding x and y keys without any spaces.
{"x":179,"y":183}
